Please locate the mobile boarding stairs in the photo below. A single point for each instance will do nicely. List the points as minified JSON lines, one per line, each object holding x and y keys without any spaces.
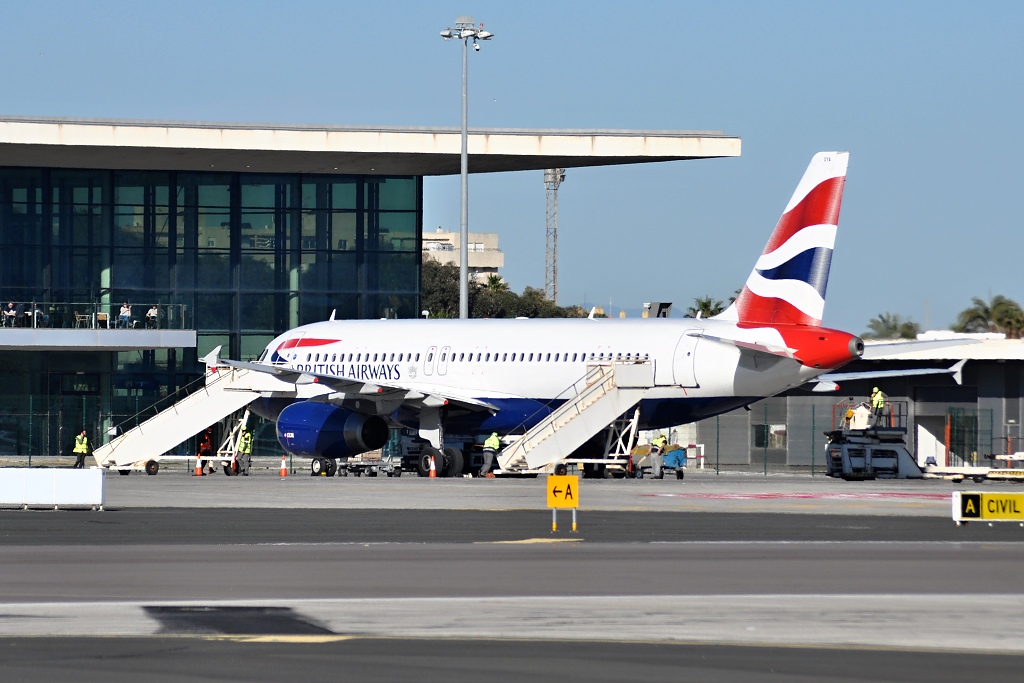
{"x":608,"y":395}
{"x":226,"y":391}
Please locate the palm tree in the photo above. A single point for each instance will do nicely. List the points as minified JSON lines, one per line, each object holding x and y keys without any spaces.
{"x":705,"y":306}
{"x":999,"y":314}
{"x":891,"y":326}
{"x":495,"y":283}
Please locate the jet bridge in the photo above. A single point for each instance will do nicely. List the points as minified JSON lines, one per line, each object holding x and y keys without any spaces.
{"x":605,"y":393}
{"x":226,"y":391}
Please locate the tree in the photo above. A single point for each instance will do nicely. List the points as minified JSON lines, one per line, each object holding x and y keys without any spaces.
{"x":495,"y":283}
{"x":891,"y":326}
{"x":999,"y":314}
{"x":705,"y":306}
{"x":440,"y":296}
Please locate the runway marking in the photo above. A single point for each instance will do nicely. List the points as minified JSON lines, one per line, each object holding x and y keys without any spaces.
{"x":279,"y":638}
{"x":530,"y":541}
{"x":799,"y":496}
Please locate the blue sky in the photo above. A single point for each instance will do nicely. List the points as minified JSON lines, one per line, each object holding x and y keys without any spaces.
{"x":927,"y":96}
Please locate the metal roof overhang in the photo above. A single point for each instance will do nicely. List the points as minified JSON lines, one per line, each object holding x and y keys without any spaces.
{"x":379,"y":150}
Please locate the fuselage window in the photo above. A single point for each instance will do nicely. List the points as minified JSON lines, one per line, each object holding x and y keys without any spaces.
{"x":400,"y":357}
{"x":548,"y":357}
{"x":309,"y":357}
{"x":430,"y":358}
{"x":556,"y":357}
{"x":495,"y":358}
{"x":504,"y":357}
{"x":531,"y":358}
{"x":574,"y":358}
{"x":392,"y":357}
{"x":462,"y":356}
{"x":375,"y":357}
{"x":444,"y":357}
{"x":487,"y":357}
{"x":646,"y":356}
{"x":417,"y":358}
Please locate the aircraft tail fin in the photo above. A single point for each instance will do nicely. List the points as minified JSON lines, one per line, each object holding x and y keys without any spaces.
{"x":788,"y":282}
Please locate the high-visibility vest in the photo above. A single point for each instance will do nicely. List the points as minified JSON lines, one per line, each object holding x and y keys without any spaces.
{"x":878,"y":400}
{"x":81,"y":444}
{"x":245,"y":445}
{"x":493,"y":443}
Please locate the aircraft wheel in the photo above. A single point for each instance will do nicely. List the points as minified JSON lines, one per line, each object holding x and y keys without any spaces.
{"x":397,"y":472}
{"x":423,"y":462}
{"x":152,"y":467}
{"x":453,"y":458}
{"x":317,"y":467}
{"x":332,"y":467}
{"x":561,"y":468}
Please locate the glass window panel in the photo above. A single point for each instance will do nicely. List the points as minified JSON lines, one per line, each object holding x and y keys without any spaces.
{"x":343,"y":194}
{"x":214,"y":194}
{"x":213,"y":311}
{"x":314,"y":271}
{"x":257,"y":270}
{"x":214,"y":229}
{"x":258,"y":313}
{"x":253,"y":345}
{"x":255,"y":196}
{"x":344,"y":272}
{"x":396,"y":193}
{"x":214,"y":269}
{"x":396,"y":272}
{"x":344,"y":227}
{"x":398,"y":231}
{"x":259,"y":230}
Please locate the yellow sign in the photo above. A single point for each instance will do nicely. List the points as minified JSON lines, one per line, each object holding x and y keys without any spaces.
{"x":992,"y":507}
{"x":563,"y":491}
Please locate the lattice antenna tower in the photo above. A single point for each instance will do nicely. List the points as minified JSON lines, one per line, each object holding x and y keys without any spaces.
{"x":553,"y":177}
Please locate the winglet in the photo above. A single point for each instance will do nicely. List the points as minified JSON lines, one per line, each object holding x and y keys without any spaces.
{"x":957,"y":371}
{"x":210,"y":359}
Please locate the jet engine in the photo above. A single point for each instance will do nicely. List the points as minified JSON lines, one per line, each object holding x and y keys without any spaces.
{"x":312,"y":429}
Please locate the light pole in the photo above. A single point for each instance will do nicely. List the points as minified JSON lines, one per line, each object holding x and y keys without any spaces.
{"x":465,"y":30}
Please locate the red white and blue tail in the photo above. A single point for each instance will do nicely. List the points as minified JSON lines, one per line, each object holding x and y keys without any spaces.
{"x":787,"y":285}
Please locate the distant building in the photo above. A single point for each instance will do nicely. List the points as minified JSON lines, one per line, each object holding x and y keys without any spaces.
{"x":485,"y":258}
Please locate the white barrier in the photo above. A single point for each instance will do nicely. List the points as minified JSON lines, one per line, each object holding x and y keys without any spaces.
{"x":51,"y":487}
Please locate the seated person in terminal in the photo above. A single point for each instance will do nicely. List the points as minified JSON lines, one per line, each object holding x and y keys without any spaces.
{"x":152,"y":318}
{"x":10,"y":315}
{"x":124,"y":318}
{"x":40,"y":318}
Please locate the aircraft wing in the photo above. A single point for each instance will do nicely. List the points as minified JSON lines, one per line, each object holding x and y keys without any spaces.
{"x":389,"y":392}
{"x":830,"y":380}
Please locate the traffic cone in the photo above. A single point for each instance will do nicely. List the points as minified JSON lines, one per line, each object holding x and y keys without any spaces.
{"x":433,"y":468}
{"x":284,"y":467}
{"x":199,"y":467}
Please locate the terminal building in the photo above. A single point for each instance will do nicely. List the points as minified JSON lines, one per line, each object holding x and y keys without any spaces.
{"x":235,"y":233}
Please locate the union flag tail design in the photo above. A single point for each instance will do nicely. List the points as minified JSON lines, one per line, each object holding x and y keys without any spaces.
{"x":787,"y":285}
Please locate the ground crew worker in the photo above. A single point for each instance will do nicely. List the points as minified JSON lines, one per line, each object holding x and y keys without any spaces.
{"x":491,"y":447}
{"x":657,"y":457}
{"x":205,"y":451}
{"x":81,"y":450}
{"x":244,"y":456}
{"x":877,"y":404}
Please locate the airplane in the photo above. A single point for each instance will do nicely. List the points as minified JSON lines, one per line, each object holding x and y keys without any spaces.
{"x":356,"y":379}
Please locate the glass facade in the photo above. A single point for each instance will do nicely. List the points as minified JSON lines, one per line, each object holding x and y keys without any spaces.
{"x":242,"y":256}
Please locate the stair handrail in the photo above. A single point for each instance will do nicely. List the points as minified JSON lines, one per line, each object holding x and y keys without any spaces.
{"x":180,"y":394}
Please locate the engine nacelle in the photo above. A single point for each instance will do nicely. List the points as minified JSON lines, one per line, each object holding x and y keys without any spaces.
{"x":311,"y":429}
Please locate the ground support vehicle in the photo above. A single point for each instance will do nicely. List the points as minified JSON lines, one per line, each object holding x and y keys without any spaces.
{"x":872,"y":453}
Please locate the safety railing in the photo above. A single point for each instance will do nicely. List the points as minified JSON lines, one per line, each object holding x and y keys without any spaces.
{"x":91,"y":315}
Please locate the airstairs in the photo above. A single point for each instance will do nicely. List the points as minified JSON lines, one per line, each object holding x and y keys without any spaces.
{"x":605,"y":393}
{"x":227,"y":390}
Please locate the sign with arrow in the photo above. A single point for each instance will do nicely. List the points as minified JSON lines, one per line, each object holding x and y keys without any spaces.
{"x":563,"y":491}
